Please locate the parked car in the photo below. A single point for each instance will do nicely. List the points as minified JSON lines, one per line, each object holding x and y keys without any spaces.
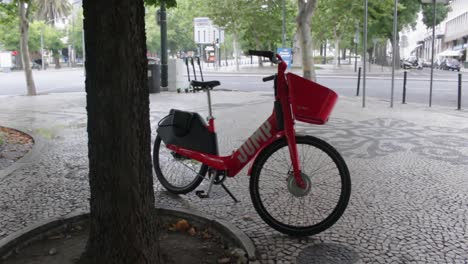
{"x":426,"y":63}
{"x":437,"y":63}
{"x":412,"y":63}
{"x":450,"y":64}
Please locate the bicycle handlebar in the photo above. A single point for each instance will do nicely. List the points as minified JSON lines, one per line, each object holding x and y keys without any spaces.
{"x":269,"y":78}
{"x":267,"y":54}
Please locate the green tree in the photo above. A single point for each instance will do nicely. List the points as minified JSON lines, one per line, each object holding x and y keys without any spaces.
{"x":262,"y":24}
{"x":51,"y":10}
{"x":153,"y":34}
{"x":9,"y":21}
{"x":328,"y":25}
{"x":428,"y":14}
{"x":229,"y":14}
{"x":381,"y":20}
{"x":51,"y":40}
{"x":75,"y":33}
{"x":180,"y":25}
{"x":169,"y":3}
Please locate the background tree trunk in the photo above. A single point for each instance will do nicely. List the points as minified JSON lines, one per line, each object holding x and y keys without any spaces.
{"x":303,"y":18}
{"x":122,"y":222}
{"x":235,"y":42}
{"x":337,"y":49}
{"x":56,"y":54}
{"x":23,"y":12}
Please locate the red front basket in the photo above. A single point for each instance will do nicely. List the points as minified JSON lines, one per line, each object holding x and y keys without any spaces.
{"x":311,"y":102}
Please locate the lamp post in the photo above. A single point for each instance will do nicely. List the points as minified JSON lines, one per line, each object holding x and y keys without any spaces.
{"x":364,"y":55}
{"x":394,"y":52}
{"x":356,"y":42}
{"x":164,"y":66}
{"x":42,"y":48}
{"x":434,"y":2}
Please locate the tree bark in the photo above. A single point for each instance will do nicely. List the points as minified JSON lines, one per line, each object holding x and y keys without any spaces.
{"x":235,"y":42}
{"x":122,"y":221}
{"x":337,"y":49}
{"x":306,"y":10}
{"x":23,"y":13}
{"x":257,"y":47}
{"x":56,"y":54}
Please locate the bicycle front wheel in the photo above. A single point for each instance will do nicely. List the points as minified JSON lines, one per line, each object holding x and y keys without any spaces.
{"x":300,"y":211}
{"x":179,"y":175}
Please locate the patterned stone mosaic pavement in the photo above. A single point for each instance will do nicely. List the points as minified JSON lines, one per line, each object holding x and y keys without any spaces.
{"x":409,"y":201}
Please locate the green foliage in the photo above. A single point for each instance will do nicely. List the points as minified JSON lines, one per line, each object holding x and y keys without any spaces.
{"x":179,"y":25}
{"x":428,"y":14}
{"x":153,"y":35}
{"x":169,"y":3}
{"x":381,"y":16}
{"x":52,"y":37}
{"x":335,"y":19}
{"x":51,"y":10}
{"x":257,"y":23}
{"x":9,"y":23}
{"x":75,"y":31}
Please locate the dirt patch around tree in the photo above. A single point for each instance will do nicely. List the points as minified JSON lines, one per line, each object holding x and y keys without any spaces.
{"x":180,"y":242}
{"x":14,"y":145}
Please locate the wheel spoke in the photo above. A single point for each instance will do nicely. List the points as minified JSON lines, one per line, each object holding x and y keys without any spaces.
{"x":177,"y":175}
{"x":292,"y":210}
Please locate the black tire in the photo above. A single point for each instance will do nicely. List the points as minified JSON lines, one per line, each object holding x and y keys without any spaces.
{"x":186,"y":179}
{"x":278,"y":212}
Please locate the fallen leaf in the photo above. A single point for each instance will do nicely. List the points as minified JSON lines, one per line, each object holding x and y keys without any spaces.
{"x":192,"y":231}
{"x":182,"y":225}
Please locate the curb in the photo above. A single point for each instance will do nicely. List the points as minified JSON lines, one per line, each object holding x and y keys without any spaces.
{"x":30,"y":157}
{"x":37,"y":231}
{"x":41,"y":229}
{"x":222,"y":226}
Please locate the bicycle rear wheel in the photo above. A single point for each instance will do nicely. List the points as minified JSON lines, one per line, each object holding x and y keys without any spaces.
{"x":179,"y":175}
{"x":293,"y":210}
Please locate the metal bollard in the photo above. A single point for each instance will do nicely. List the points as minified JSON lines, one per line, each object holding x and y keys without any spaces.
{"x":358,"y":81}
{"x":404,"y":87}
{"x":459,"y":90}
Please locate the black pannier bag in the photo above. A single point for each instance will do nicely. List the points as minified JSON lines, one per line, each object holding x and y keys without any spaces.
{"x":187,"y":130}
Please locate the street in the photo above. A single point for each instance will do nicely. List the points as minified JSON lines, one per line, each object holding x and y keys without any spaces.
{"x":378,"y":83}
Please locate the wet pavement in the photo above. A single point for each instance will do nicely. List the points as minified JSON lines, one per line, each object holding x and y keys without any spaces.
{"x":409,"y":201}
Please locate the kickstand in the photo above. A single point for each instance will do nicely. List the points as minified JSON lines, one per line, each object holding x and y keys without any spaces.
{"x":229,"y":192}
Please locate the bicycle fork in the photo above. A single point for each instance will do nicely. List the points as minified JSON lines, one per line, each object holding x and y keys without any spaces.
{"x":291,"y":139}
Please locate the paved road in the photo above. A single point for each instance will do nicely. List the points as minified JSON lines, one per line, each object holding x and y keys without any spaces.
{"x":344,"y":82}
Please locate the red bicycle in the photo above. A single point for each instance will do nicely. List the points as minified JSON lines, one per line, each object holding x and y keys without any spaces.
{"x":299,"y":184}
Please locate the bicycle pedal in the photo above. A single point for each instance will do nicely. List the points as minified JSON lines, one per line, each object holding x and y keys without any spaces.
{"x":201,"y":194}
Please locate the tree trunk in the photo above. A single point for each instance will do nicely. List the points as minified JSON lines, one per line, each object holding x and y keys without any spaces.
{"x":122,"y":221}
{"x":337,"y":50}
{"x":257,"y":47}
{"x":325,"y":47}
{"x":306,"y":10}
{"x":56,"y":55}
{"x":397,"y":54}
{"x":235,"y":42}
{"x":25,"y":58}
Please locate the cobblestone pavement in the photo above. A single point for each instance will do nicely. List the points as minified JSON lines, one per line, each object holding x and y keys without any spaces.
{"x":409,"y":201}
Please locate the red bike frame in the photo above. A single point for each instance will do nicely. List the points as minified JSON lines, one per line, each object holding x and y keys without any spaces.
{"x":266,"y":134}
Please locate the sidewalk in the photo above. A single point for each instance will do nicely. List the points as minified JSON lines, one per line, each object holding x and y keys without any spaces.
{"x":409,"y":201}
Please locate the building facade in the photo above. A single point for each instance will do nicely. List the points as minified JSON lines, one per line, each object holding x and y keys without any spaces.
{"x":451,"y":36}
